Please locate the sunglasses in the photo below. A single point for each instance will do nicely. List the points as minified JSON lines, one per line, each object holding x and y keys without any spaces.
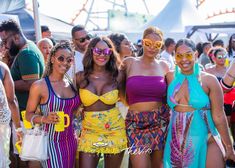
{"x":150,"y":43}
{"x":83,"y":39}
{"x":179,"y":57}
{"x":221,"y":56}
{"x":62,"y":59}
{"x":105,"y":52}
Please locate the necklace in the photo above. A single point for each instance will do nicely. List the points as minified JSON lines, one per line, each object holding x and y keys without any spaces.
{"x":97,"y":77}
{"x":54,"y":81}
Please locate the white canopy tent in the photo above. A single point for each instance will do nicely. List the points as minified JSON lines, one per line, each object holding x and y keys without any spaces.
{"x":176,"y":15}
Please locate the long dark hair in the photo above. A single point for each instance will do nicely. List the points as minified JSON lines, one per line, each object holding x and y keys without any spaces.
{"x":230,"y":45}
{"x":88,"y":62}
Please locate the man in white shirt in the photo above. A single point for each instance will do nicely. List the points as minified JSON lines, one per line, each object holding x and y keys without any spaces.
{"x":204,"y":58}
{"x":167,"y":54}
{"x":80,"y":40}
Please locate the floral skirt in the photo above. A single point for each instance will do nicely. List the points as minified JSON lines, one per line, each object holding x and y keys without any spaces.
{"x":103,"y":132}
{"x":146,"y":131}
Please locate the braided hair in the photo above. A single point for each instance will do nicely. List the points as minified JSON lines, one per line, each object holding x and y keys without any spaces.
{"x":58,"y":46}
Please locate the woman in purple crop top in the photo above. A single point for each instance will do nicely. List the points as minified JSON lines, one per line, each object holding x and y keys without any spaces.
{"x":147,"y":117}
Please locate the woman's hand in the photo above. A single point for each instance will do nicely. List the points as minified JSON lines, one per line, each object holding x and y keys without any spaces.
{"x":19,"y":136}
{"x":52,"y":118}
{"x":230,"y":154}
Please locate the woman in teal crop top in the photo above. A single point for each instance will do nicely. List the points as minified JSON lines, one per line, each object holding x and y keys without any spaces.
{"x":198,"y":125}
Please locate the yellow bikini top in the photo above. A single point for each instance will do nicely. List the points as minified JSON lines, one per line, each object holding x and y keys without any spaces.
{"x":88,"y":98}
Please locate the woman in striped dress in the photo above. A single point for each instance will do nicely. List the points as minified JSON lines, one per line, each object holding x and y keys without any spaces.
{"x":55,"y":93}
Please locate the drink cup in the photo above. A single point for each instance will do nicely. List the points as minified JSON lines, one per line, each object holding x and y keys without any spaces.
{"x":26,"y":123}
{"x":60,"y":126}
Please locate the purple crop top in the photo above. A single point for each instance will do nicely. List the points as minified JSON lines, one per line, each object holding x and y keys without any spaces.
{"x":145,"y":89}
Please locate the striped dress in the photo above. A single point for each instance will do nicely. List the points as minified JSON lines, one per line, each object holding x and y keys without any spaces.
{"x":62,"y":145}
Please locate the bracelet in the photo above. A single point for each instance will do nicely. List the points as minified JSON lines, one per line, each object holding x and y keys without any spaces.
{"x":224,"y":86}
{"x":42,"y":119}
{"x":18,"y":129}
{"x":229,"y":146}
{"x":31,"y":121}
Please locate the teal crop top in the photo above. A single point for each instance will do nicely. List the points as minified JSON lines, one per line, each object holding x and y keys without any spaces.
{"x":197,"y":97}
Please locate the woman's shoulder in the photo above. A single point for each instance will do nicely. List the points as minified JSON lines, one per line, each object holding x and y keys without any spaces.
{"x":208,"y":78}
{"x":164,"y":65}
{"x":130,"y":60}
{"x":170,"y":76}
{"x":39,"y":85}
{"x":210,"y":69}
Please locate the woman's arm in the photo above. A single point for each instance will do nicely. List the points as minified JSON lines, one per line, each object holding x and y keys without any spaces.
{"x":229,"y":78}
{"x":122,"y":86}
{"x":123,"y":70}
{"x":35,"y":96}
{"x":10,"y":94}
{"x":218,"y":114}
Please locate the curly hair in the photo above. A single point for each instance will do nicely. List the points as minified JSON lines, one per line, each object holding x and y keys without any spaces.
{"x":61,"y":45}
{"x":10,"y":26}
{"x":117,"y":39}
{"x":88,"y":62}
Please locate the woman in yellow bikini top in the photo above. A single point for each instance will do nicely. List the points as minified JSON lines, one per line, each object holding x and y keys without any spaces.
{"x":103,"y":128}
{"x":88,"y":98}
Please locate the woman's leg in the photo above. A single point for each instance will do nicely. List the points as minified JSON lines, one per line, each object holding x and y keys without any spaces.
{"x":140,"y":160}
{"x":156,"y":159}
{"x":113,"y":160}
{"x":88,"y":160}
{"x":214,"y":155}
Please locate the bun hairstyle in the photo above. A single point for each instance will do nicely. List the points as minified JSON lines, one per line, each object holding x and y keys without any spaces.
{"x":187,"y":42}
{"x":151,"y":30}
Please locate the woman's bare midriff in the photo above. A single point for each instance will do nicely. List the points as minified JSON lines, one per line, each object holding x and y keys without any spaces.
{"x":180,"y":108}
{"x":145,"y":106}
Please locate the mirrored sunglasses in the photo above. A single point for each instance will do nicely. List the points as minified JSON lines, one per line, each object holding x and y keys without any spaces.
{"x":221,"y":56}
{"x":105,"y":52}
{"x":154,"y":44}
{"x":62,"y":59}
{"x":179,"y":57}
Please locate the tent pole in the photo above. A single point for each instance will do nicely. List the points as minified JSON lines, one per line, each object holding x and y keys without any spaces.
{"x":37,"y":26}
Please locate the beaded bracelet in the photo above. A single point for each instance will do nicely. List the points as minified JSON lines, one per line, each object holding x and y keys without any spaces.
{"x":31,"y":121}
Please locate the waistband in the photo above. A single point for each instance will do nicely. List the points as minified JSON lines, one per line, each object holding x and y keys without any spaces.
{"x":103,"y":111}
{"x":159,"y":108}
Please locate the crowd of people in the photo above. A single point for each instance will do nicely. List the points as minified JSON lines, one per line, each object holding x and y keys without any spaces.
{"x":160,"y":103}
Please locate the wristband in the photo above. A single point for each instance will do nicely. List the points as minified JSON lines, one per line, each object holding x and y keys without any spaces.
{"x":224,"y":86}
{"x":32,"y":123}
{"x":18,"y":129}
